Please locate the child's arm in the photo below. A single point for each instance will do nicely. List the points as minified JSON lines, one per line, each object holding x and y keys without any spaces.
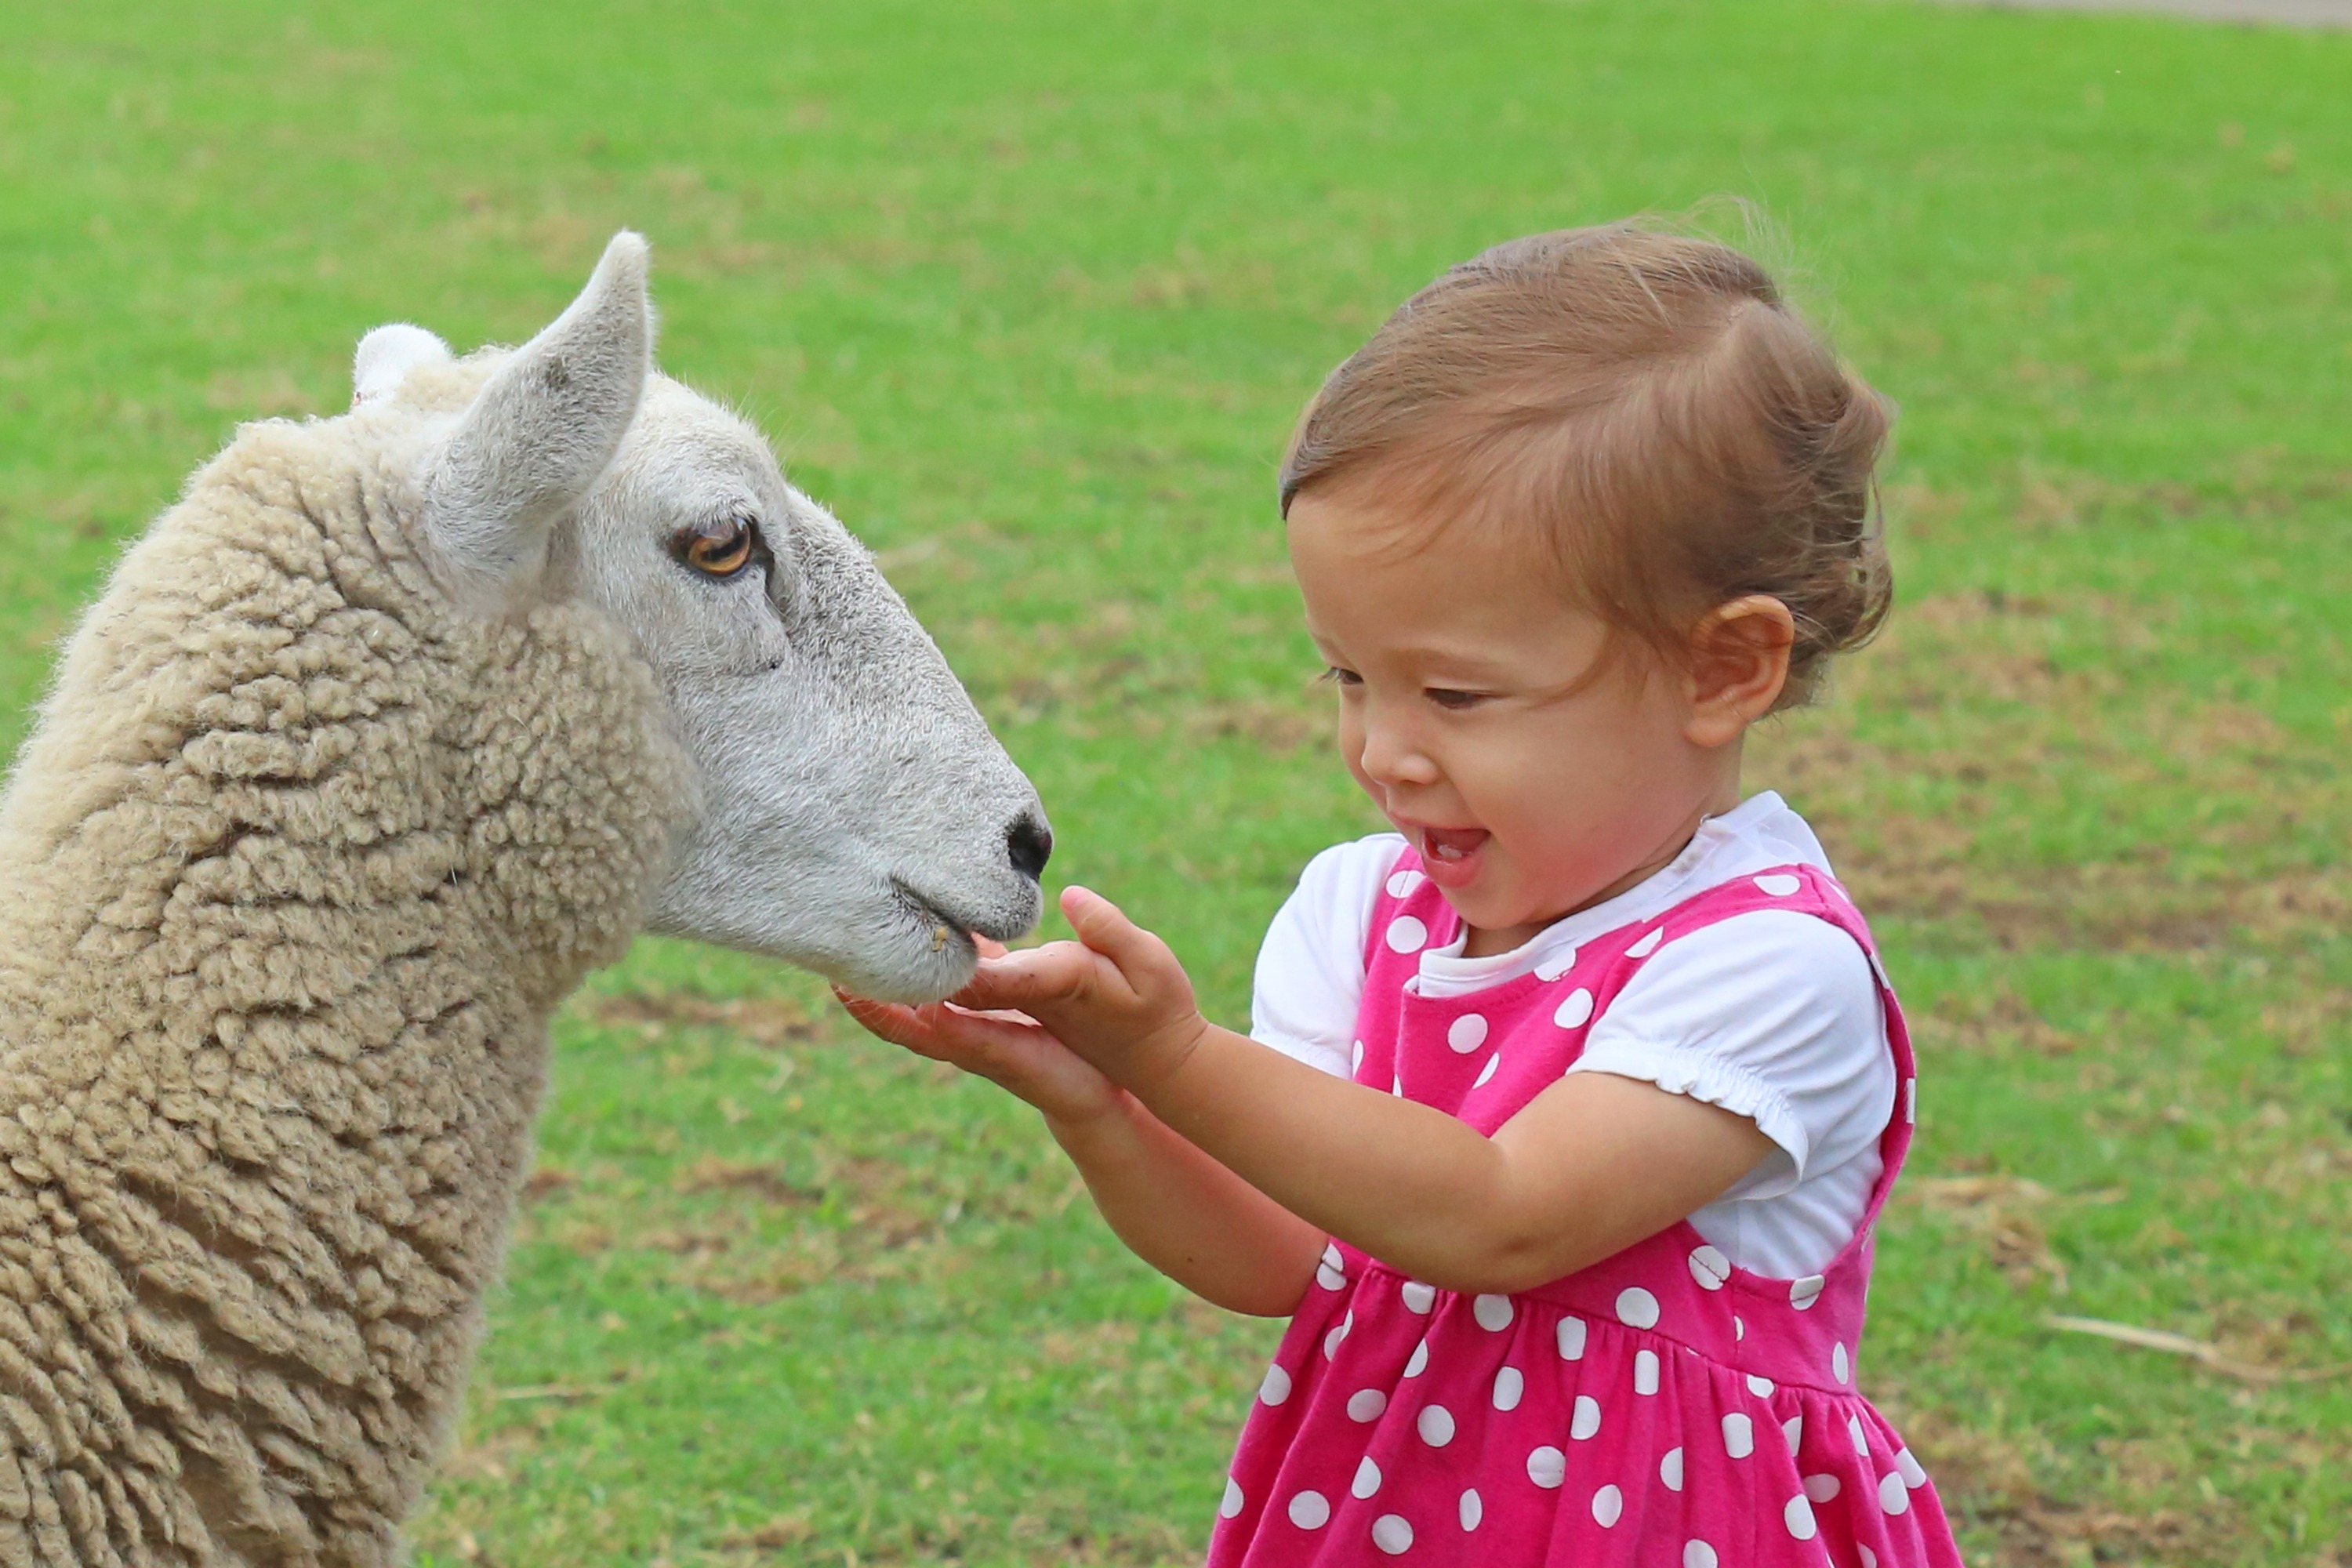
{"x":1174,"y":1206}
{"x":1591,"y":1165}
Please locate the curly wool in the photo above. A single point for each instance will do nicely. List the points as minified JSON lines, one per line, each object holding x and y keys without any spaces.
{"x":301,"y":858}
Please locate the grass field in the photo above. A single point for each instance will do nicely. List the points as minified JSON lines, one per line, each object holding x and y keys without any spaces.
{"x":1030,"y":294}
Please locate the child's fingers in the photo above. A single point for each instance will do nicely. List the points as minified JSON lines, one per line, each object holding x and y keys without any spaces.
{"x":1007,"y":1048}
{"x":1105,"y":927}
{"x":890,"y":1021}
{"x":1055,"y":973}
{"x":938,"y":1031}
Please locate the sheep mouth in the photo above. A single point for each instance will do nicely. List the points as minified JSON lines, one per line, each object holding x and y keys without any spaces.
{"x":945,"y":928}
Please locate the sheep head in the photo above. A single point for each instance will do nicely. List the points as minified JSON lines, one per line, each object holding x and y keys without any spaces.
{"x":851,"y":811}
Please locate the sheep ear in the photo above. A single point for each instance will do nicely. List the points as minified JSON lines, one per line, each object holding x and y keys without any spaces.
{"x":389,"y":353}
{"x":543,"y":427}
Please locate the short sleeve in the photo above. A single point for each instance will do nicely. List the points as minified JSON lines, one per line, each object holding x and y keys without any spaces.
{"x":1774,"y":1015}
{"x":1310,"y":970}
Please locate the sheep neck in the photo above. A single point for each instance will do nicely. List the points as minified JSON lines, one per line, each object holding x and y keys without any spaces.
{"x":304,"y":860}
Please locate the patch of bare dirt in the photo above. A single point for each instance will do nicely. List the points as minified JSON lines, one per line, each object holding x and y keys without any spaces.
{"x":1995,"y":1485}
{"x":856,"y":1217}
{"x":767,"y":1182}
{"x":768,"y":1021}
{"x":2001,"y":1213}
{"x":1270,"y":724}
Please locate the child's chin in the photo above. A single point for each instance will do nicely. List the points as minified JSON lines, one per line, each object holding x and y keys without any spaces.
{"x":1479,"y":907}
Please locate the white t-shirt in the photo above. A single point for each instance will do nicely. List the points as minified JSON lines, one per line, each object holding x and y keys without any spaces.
{"x":1772,"y":1014}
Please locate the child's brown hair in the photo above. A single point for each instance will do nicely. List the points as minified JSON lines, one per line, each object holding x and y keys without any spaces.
{"x":1651,"y":404}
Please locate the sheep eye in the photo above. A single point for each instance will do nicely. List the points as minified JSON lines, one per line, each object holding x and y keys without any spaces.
{"x":720,"y":549}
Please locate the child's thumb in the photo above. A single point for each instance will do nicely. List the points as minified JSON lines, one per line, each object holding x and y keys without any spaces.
{"x":1101,"y":925}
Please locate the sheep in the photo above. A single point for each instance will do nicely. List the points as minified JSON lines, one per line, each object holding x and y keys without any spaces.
{"x":396,"y":723}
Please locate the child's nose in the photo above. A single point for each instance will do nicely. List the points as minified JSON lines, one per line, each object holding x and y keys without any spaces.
{"x":1391,"y":756}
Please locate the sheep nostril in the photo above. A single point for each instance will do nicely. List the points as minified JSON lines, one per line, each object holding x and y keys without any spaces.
{"x":1029,"y":844}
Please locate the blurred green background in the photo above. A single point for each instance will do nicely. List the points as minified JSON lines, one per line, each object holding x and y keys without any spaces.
{"x":1030,"y":294}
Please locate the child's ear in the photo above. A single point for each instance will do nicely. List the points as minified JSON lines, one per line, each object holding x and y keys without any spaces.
{"x":1739,"y":664}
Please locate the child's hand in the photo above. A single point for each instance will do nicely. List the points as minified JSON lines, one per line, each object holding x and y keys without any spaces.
{"x":1007,"y":1048}
{"x":1116,"y":997}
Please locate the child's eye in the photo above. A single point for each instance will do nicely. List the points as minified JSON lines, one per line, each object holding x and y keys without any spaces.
{"x":1335,"y":676}
{"x":1446,"y":697}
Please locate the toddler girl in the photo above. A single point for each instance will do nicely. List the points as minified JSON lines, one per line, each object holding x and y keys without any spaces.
{"x":1571,"y":1103}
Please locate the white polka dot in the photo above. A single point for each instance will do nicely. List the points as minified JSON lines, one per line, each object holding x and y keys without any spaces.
{"x":1841,"y":1366}
{"x":1608,"y":1507}
{"x":1493,"y":1312}
{"x":1798,"y":1515}
{"x":1670,"y":1469}
{"x":1467,"y":1033}
{"x":1891,"y":1495}
{"x":1738,"y":1436}
{"x":1473,"y":1510}
{"x":1487,"y":1073}
{"x":1793,"y":1429}
{"x":1511,"y":1387}
{"x":1822,"y":1487}
{"x":1400,"y":884}
{"x":1645,"y":1372}
{"x":1709,"y":1267}
{"x":1698,"y":1555}
{"x":1366,"y":1404}
{"x":1391,"y":1534}
{"x":1419,"y":1363}
{"x":1356,"y":1059}
{"x":1368,"y":1478}
{"x":1396,"y":1084}
{"x":1636,"y":1308}
{"x":1762,"y":1387}
{"x":1328,"y":1275}
{"x":1310,"y":1511}
{"x":1557,"y":965}
{"x":1331,"y":1340}
{"x":1804,"y":1293}
{"x":1418,"y":1296}
{"x":1738,"y":1327}
{"x":1575,"y":1012}
{"x":1571,"y":1339}
{"x":1406,"y":935}
{"x":1648,"y":944}
{"x":1233,"y":1502}
{"x":1861,"y":1438}
{"x":1910,"y":1469}
{"x":1586,"y":1421}
{"x":1276,"y":1386}
{"x":1869,"y":1558}
{"x":1435,"y":1425}
{"x":1548,"y":1467}
{"x":1779,"y":885}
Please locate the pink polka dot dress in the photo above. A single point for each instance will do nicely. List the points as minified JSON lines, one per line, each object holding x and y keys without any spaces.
{"x":1664,"y":1408}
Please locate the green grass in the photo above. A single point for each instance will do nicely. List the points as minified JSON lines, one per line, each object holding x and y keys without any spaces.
{"x":1031,"y":294}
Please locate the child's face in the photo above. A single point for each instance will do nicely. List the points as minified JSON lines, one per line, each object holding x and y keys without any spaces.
{"x":1470,"y":712}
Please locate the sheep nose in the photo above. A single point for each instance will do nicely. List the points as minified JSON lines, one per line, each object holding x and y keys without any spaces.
{"x":1029,"y":844}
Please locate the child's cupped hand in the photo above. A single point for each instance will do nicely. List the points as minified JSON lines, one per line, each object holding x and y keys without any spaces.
{"x":1064,"y":1026}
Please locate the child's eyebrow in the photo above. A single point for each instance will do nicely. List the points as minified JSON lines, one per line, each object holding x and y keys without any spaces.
{"x":1456,"y":661}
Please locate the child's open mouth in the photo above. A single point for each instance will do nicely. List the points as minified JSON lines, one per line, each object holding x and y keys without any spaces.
{"x":1451,"y":855}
